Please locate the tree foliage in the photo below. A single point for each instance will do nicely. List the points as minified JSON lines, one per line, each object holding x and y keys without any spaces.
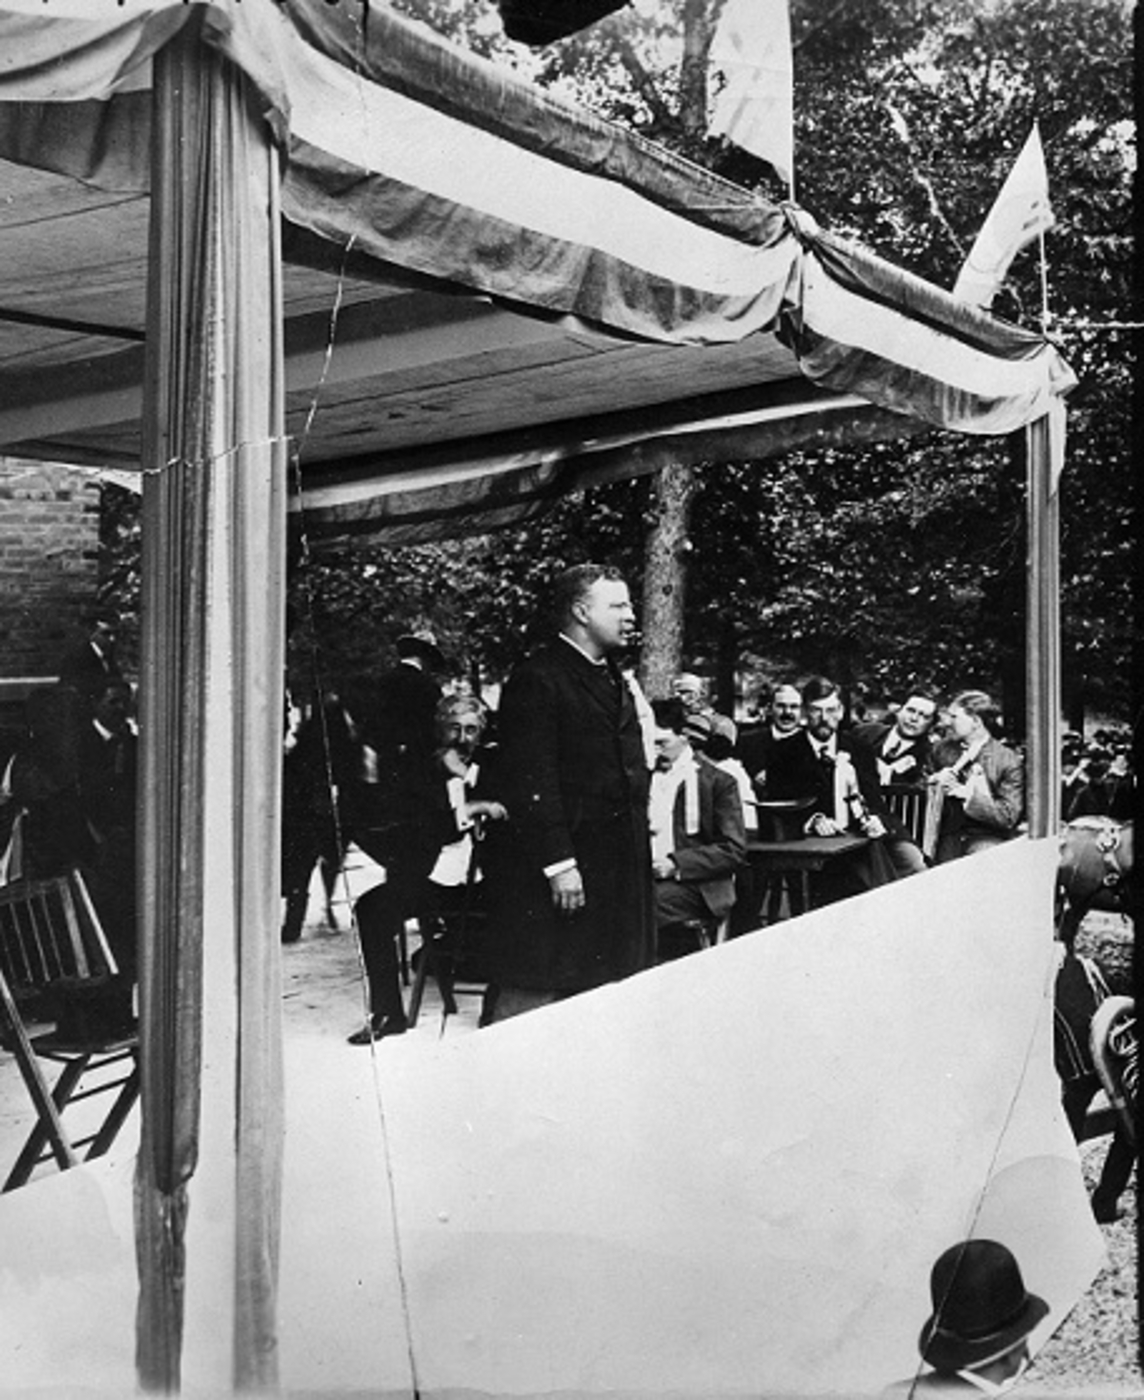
{"x":886,"y":563}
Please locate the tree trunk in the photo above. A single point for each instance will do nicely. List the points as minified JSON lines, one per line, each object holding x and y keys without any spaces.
{"x":665,"y":577}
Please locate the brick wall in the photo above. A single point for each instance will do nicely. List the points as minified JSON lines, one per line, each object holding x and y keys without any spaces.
{"x":49,"y":569}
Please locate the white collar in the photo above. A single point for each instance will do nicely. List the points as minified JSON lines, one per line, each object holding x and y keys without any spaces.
{"x":592,"y":660}
{"x":684,"y":763}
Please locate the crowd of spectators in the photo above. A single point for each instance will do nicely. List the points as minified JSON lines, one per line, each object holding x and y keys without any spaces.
{"x":596,"y":831}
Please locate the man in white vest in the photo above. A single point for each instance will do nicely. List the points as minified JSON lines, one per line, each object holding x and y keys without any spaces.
{"x":697,"y":836}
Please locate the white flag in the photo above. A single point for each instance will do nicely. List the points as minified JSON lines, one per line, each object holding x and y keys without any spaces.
{"x":1020,"y":212}
{"x":754,"y":107}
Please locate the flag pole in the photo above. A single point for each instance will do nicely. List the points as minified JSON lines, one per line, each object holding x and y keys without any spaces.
{"x":1044,"y":284}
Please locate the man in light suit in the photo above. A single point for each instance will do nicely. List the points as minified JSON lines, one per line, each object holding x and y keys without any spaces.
{"x":982,"y":780}
{"x":697,"y":836}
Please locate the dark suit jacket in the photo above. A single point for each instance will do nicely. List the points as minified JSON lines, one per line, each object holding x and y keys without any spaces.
{"x":916,"y":750}
{"x":796,"y":772}
{"x":85,"y":670}
{"x":709,"y":857}
{"x":756,"y":750}
{"x":401,"y":720}
{"x":572,"y":772}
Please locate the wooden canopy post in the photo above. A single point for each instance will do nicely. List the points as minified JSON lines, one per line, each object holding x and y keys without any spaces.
{"x":1044,"y":450}
{"x":214,"y":519}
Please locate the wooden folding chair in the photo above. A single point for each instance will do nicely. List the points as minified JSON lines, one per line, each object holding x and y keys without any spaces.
{"x":907,"y":802}
{"x":55,"y":963}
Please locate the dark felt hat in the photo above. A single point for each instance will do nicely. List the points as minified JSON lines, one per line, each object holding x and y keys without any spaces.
{"x":981,"y":1308}
{"x":784,"y":820}
{"x":422,"y":644}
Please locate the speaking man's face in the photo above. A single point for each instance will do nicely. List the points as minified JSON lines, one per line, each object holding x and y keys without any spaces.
{"x":607,"y":614}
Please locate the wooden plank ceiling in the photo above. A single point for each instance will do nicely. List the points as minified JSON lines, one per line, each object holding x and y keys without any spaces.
{"x":410,"y":367}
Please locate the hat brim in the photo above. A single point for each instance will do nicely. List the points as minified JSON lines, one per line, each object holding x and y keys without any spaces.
{"x":947,"y":1351}
{"x":415,"y":646}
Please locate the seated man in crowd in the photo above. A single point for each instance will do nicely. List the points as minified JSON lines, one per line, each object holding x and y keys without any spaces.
{"x":697,"y":838}
{"x":430,"y":864}
{"x":693,"y":691}
{"x":981,"y":782}
{"x":839,"y":773}
{"x":784,"y":722}
{"x":902,"y":754}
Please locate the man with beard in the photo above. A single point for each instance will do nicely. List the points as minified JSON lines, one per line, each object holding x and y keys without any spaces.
{"x":570,"y":875}
{"x":840,"y":774}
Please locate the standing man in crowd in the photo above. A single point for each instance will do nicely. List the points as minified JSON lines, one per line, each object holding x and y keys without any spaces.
{"x":398,"y":727}
{"x":570,"y":882}
{"x":981,"y":781}
{"x":108,"y":763}
{"x":697,"y":837}
{"x":85,"y":667}
{"x":902,"y":754}
{"x":840,"y":773}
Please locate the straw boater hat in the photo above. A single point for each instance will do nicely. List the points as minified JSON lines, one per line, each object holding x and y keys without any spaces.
{"x":981,"y":1308}
{"x":422,"y":644}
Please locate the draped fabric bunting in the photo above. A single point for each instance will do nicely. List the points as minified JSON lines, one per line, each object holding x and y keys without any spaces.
{"x":434,"y":162}
{"x":432,"y":495}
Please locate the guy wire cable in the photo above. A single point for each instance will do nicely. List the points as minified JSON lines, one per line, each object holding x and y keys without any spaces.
{"x":361,"y":18}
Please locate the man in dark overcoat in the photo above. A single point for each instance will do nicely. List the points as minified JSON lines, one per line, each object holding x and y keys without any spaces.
{"x":570,"y":870}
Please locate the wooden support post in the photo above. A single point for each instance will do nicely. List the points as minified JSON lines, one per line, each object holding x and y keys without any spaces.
{"x":1044,"y":448}
{"x":209,"y":1168}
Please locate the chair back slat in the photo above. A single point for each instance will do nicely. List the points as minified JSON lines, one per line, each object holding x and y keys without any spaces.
{"x":907,"y":802}
{"x":69,"y":927}
{"x":49,"y":930}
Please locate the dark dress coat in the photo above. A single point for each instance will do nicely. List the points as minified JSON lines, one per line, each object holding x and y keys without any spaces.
{"x":795,"y":771}
{"x":756,"y":750}
{"x":572,"y":772}
{"x":912,"y":759}
{"x":398,"y":722}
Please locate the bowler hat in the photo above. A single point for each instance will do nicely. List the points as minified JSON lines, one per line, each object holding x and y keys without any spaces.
{"x":981,"y":1308}
{"x":423,"y":644}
